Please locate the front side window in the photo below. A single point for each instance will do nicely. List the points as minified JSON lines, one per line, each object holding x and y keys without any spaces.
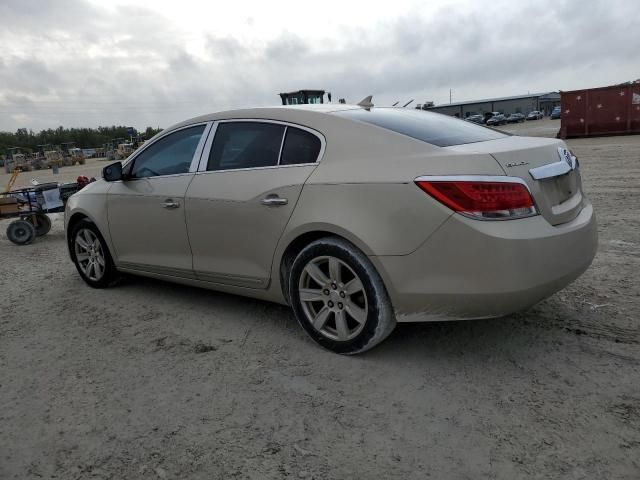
{"x":299,"y":146}
{"x":245,"y":145}
{"x":170,"y":155}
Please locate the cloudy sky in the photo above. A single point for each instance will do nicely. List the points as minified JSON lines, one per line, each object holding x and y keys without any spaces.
{"x":155,"y":62}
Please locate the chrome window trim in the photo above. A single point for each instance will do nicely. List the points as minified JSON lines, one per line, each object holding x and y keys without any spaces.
{"x":271,"y":167}
{"x":284,"y":136}
{"x":140,"y":151}
{"x":202,"y":167}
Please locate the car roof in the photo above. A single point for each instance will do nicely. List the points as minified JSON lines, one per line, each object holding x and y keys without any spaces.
{"x":292,"y":113}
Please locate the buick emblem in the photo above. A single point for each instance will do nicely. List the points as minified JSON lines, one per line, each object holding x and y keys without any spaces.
{"x":565,"y":155}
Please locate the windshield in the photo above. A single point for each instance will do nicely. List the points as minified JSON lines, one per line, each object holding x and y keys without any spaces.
{"x":434,"y":128}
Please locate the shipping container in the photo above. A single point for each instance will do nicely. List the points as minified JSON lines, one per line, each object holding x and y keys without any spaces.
{"x":611,"y":110}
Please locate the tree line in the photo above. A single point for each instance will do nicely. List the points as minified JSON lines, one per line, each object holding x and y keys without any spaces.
{"x":28,"y":140}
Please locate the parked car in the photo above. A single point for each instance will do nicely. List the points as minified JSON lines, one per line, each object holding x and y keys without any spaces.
{"x":555,"y":113}
{"x":488,"y":115}
{"x":535,"y":115}
{"x":498,"y":119}
{"x":475,"y":119}
{"x":357,"y":218}
{"x":515,"y":118}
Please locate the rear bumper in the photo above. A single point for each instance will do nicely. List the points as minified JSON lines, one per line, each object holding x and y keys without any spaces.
{"x":471,"y":269}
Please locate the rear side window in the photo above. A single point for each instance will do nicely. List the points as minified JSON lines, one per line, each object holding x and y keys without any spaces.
{"x":430,"y":127}
{"x":300,"y":146}
{"x":170,"y":155}
{"x":245,"y":145}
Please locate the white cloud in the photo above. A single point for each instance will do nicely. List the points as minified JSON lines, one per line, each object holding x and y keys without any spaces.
{"x":87,"y":63}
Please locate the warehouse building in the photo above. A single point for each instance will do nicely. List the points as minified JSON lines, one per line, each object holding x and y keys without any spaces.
{"x":543,"y":102}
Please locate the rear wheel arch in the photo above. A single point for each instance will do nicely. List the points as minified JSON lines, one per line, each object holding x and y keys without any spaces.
{"x":299,"y":242}
{"x":358,"y":304}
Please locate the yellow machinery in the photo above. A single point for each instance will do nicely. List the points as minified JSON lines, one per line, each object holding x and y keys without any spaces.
{"x":124,"y":150}
{"x":12,"y":180}
{"x":77,"y":155}
{"x":21,"y":161}
{"x":54,"y":158}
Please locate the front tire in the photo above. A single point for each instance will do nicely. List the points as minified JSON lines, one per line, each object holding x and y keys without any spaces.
{"x":339,"y":298}
{"x":91,"y":255}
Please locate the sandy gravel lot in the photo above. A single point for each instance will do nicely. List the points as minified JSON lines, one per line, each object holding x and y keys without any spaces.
{"x":152,"y":380}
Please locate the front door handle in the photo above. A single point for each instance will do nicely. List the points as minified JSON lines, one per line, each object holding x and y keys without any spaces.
{"x":274,"y":201}
{"x":170,"y":203}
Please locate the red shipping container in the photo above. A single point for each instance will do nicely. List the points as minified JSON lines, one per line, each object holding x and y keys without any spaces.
{"x":611,"y":110}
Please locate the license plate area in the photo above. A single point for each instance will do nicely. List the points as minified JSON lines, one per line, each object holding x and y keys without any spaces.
{"x":561,"y":188}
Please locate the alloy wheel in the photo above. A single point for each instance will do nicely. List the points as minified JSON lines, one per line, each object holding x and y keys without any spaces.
{"x":333,"y":298}
{"x":89,"y":254}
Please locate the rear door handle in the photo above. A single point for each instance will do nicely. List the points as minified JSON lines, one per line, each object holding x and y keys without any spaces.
{"x":170,"y":203}
{"x":274,"y":201}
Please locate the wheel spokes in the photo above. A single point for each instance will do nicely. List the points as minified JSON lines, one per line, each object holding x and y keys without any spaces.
{"x":318,"y":275}
{"x":342,"y":329}
{"x":321,"y":318}
{"x":354,"y":286}
{"x":90,"y":255}
{"x":333,"y":298}
{"x":87,"y":235}
{"x":311,"y":295}
{"x":97,"y":269}
{"x":357,"y":313}
{"x":91,"y":270}
{"x":82,"y":256}
{"x":82,"y":243}
{"x":334,"y":270}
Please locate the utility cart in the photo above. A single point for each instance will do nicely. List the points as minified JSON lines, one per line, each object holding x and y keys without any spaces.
{"x":30,"y":206}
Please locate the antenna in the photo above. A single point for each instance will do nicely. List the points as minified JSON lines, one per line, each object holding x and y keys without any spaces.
{"x":366,"y":102}
{"x":395,"y":103}
{"x":407,"y":103}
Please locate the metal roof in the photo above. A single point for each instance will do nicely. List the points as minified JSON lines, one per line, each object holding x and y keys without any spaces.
{"x":499,"y":99}
{"x":303,"y":90}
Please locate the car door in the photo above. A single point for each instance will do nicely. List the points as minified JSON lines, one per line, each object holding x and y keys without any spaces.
{"x":240,"y":201}
{"x":146,"y":209}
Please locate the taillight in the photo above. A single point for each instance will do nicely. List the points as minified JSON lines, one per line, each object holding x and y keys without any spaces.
{"x":481,"y":199}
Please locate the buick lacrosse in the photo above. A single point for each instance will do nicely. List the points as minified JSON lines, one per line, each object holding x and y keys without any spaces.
{"x":357,"y":218}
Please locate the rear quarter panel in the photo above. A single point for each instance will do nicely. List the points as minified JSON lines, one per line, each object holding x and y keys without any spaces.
{"x":364,"y":191}
{"x":364,"y":188}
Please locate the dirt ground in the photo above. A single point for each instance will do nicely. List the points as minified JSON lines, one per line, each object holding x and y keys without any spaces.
{"x":152,"y":380}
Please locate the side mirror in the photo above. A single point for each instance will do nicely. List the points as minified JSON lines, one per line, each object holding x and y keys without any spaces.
{"x":113,"y":172}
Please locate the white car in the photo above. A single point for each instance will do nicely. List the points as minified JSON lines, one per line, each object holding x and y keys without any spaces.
{"x":356,"y":217}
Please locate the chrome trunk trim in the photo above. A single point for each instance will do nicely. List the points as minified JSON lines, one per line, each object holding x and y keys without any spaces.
{"x":567,"y":163}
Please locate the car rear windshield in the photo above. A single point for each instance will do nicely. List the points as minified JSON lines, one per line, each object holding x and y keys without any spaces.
{"x":434,"y":128}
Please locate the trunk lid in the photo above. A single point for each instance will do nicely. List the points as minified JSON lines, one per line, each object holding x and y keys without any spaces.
{"x":545,"y":165}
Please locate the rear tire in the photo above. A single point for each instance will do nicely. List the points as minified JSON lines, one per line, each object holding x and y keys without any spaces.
{"x":21,"y":232}
{"x":91,"y":255}
{"x":339,"y":298}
